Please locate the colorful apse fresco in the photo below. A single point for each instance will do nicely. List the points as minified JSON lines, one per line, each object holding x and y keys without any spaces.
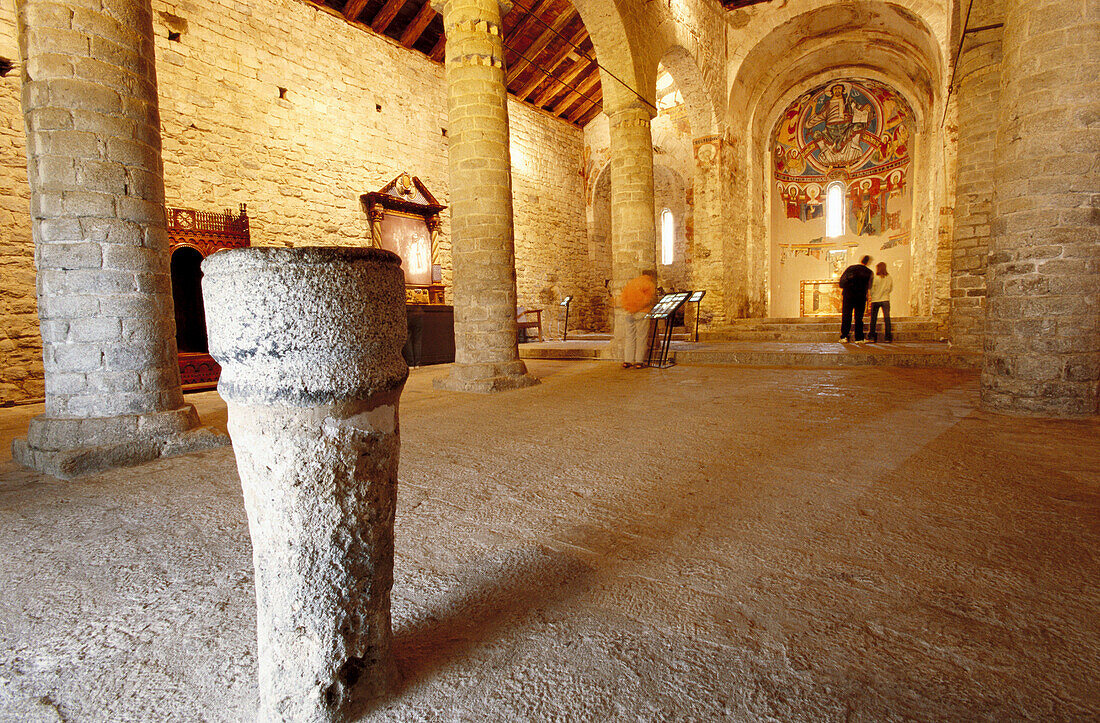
{"x":855,"y":132}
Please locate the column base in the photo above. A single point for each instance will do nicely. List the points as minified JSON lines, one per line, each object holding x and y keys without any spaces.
{"x":485,"y":378}
{"x":66,"y":447}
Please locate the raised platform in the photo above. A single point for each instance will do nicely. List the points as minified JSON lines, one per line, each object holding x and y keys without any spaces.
{"x":931,"y":355}
{"x":817,"y":329}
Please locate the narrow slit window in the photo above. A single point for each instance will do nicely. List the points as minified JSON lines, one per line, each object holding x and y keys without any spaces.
{"x":666,"y":237}
{"x":834,"y":210}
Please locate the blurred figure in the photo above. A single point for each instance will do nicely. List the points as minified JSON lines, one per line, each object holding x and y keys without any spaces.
{"x":881,"y":287}
{"x":638,"y":297}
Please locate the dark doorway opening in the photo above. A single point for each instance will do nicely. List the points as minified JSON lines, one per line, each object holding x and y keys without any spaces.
{"x":187,"y":298}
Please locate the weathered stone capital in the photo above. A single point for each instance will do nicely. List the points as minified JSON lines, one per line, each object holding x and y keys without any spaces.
{"x":440,"y":7}
{"x":631,"y":114}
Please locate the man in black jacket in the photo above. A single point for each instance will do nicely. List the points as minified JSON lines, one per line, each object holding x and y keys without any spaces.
{"x":854,"y":284}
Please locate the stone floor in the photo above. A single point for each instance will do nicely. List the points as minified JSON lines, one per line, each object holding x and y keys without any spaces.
{"x":696,"y":543}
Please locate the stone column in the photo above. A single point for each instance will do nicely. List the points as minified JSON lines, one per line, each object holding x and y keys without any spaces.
{"x":633,"y":223}
{"x":480,"y":166}
{"x":1042,"y":347}
{"x":978,"y":83}
{"x":101,"y":251}
{"x":310,"y":341}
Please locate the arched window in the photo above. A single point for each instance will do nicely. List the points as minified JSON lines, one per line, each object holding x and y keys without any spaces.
{"x":834,"y":210}
{"x":667,"y":237}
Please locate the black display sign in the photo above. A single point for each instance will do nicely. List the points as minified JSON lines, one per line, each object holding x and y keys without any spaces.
{"x":668,"y":305}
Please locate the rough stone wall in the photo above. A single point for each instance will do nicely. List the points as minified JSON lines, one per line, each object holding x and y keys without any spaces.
{"x":547,"y":191}
{"x":978,"y":82}
{"x":20,"y":343}
{"x":356,"y":111}
{"x":296,"y":113}
{"x":671,"y":191}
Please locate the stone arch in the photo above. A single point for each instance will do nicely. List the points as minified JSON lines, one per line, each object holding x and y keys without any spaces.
{"x":883,"y":36}
{"x":894,"y":197}
{"x":885,"y":41}
{"x":622,"y":70}
{"x":689,"y":79}
{"x":754,"y":27}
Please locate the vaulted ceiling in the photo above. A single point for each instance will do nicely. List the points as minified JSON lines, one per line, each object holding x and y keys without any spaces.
{"x":549,"y":59}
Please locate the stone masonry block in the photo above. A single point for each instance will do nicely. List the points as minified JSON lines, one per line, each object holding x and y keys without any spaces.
{"x":78,"y":357}
{"x":112,"y":231}
{"x":70,"y":256}
{"x":102,"y":329}
{"x":84,"y":95}
{"x":96,"y":23}
{"x":72,"y":144}
{"x":79,"y":204}
{"x":120,"y":56}
{"x":68,"y":306}
{"x":50,"y":65}
{"x":55,"y":40}
{"x":102,"y":177}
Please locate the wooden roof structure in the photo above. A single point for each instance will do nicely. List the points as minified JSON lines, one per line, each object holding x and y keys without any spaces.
{"x":734,"y":4}
{"x":549,"y":59}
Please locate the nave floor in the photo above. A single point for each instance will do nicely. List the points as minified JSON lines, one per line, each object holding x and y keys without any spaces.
{"x":694,"y":543}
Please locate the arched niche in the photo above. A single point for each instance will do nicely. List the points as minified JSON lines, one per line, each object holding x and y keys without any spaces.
{"x":884,"y":41}
{"x":855,"y":136}
{"x":187,"y":300}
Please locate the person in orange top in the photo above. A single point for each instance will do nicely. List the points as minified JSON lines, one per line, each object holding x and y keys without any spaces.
{"x":637,"y":298}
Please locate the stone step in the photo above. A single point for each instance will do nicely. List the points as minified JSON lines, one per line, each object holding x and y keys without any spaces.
{"x":824,"y":356}
{"x":825,"y":319}
{"x":823,"y":325}
{"x":812,"y":355}
{"x":816,"y":335}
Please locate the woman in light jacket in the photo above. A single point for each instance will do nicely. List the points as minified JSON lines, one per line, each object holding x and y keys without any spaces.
{"x":881,"y":286}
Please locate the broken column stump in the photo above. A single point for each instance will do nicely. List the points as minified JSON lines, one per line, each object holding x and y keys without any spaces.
{"x":309,"y":341}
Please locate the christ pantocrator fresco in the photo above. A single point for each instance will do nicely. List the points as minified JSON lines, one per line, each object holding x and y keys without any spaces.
{"x":856,"y":131}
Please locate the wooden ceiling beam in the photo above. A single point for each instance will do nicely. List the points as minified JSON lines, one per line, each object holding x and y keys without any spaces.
{"x":554,"y":63}
{"x":521,"y":24}
{"x":583,"y":108}
{"x":354,"y":8}
{"x":386,"y":15}
{"x":587,"y":117}
{"x":439,"y":49}
{"x":418,"y":24}
{"x":533,"y":50}
{"x":589,"y":82}
{"x":555,"y":87}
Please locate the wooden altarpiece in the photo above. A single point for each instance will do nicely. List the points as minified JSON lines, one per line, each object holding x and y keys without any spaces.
{"x":404,"y":218}
{"x":192,"y":236}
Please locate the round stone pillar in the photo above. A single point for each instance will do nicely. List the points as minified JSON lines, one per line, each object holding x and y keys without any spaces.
{"x":1042,"y":346}
{"x":480,"y":169}
{"x":633,"y":221}
{"x":978,"y":88}
{"x":310,"y":341}
{"x":101,"y":251}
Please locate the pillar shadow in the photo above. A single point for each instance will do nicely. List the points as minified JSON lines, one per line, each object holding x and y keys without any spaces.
{"x":475,"y":611}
